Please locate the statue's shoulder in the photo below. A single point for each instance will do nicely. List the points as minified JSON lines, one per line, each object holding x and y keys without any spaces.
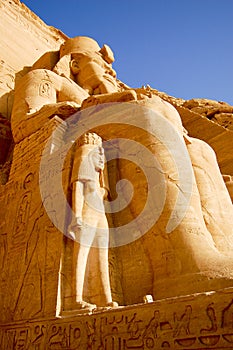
{"x":39,"y":75}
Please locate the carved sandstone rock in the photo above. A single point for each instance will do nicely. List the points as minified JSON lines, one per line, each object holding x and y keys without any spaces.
{"x":196,"y":254}
{"x":42,"y":264}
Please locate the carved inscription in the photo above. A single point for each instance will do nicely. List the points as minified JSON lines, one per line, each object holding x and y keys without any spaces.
{"x":210,"y":311}
{"x":140,"y":327}
{"x":182,"y":324}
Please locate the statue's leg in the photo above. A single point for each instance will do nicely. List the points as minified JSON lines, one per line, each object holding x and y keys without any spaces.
{"x":186,"y":259}
{"x":104,"y":273}
{"x":82,"y":256}
{"x":82,"y":249}
{"x":101,"y":243}
{"x":216,"y":204}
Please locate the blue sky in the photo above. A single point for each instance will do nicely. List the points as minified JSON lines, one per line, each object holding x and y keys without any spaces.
{"x":182,"y":47}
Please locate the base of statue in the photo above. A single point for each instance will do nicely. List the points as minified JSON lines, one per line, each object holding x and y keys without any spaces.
{"x":198,"y":321}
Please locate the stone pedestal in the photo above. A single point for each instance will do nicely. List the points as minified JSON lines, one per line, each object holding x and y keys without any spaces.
{"x":197,"y":322}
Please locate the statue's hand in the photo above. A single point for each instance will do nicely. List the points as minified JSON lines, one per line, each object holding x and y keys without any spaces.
{"x":74,"y":228}
{"x":79,"y":222}
{"x":62,"y":109}
{"x":67,"y":108}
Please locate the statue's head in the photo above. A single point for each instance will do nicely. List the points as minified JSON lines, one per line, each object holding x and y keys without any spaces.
{"x":80,"y":46}
{"x":88,"y":157}
{"x":96,"y":156}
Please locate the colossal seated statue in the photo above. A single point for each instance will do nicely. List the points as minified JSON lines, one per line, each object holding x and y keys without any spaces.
{"x":196,"y":254}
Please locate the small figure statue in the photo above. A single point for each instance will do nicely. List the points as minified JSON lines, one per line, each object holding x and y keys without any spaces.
{"x":89,"y":226}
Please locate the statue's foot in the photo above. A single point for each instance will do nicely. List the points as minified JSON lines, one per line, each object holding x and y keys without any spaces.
{"x":78,"y":307}
{"x":112,"y":304}
{"x":71,"y":235}
{"x":83,"y":305}
{"x":108,"y":306}
{"x":73,"y":230}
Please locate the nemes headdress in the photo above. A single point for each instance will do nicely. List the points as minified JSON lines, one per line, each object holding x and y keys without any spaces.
{"x":88,"y":46}
{"x":83,"y":168}
{"x":80,"y":45}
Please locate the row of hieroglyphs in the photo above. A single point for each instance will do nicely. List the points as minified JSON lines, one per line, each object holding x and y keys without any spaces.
{"x":122,"y":330}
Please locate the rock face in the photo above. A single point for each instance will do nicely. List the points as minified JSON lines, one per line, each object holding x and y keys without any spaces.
{"x":220,"y":112}
{"x":34,"y":38}
{"x":16,"y":55}
{"x":212,"y":122}
{"x":80,"y":236}
{"x":209,"y":121}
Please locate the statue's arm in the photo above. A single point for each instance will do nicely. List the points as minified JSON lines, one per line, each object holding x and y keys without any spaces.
{"x":40,"y":95}
{"x":78,"y":201}
{"x":69,"y":97}
{"x":62,"y":109}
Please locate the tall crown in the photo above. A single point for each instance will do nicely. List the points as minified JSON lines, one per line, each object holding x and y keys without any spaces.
{"x":89,"y":138}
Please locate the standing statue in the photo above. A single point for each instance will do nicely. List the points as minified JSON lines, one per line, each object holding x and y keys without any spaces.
{"x":89,"y":226}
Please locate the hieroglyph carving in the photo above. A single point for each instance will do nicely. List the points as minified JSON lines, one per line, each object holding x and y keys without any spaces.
{"x":140,"y":327}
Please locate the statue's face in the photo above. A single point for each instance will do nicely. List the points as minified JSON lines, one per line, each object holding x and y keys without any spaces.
{"x":98,"y":158}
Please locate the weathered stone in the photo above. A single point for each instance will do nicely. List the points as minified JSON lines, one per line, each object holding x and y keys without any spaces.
{"x":218,"y":137}
{"x":229,"y":183}
{"x":36,"y":39}
{"x":200,"y":321}
{"x":205,"y":103}
{"x":5,"y":138}
{"x":224,"y":119}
